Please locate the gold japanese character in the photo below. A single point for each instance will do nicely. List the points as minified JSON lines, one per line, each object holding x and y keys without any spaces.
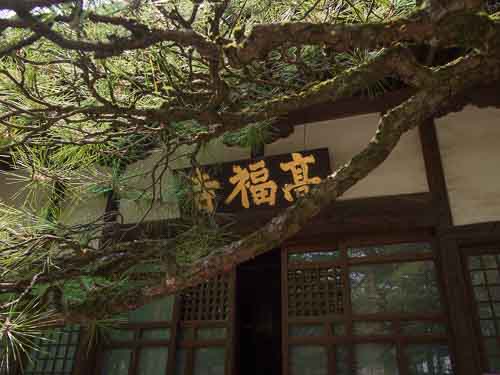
{"x":300,"y":173}
{"x":263,"y":191}
{"x":255,"y":179}
{"x":204,"y":189}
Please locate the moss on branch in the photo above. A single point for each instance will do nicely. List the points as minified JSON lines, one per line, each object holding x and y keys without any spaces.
{"x":434,"y":99}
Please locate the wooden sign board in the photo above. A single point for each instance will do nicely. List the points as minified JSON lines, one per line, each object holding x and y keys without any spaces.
{"x":269,"y":182}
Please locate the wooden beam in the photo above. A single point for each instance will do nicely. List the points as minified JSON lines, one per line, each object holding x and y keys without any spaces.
{"x":481,"y":97}
{"x":370,"y":215}
{"x":465,"y":343}
{"x":479,"y":234}
{"x":348,"y":107}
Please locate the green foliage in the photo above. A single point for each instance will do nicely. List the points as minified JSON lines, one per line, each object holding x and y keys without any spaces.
{"x":196,"y":241}
{"x":251,"y":137}
{"x":20,"y":326}
{"x":359,"y":57}
{"x":79,"y":124}
{"x":98,"y":330}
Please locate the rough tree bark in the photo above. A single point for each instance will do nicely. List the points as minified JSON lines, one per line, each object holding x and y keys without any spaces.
{"x":435,"y":99}
{"x":458,"y":23}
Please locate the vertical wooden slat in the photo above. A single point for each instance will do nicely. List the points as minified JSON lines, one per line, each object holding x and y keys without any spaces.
{"x":284,"y":310}
{"x":99,"y":360}
{"x":174,"y":330}
{"x":59,"y":348}
{"x":189,"y":370}
{"x":332,"y":348}
{"x":135,"y":353}
{"x":231,"y":326}
{"x":400,"y":350}
{"x":464,"y":349}
{"x":347,"y":302}
{"x":83,"y":357}
{"x":443,"y":292}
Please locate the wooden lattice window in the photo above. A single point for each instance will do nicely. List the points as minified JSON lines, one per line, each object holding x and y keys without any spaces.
{"x":141,"y":344}
{"x":364,"y":307}
{"x":484,"y":271}
{"x":315,"y":292}
{"x":56,"y":354}
{"x":206,"y":328}
{"x":207,"y":301}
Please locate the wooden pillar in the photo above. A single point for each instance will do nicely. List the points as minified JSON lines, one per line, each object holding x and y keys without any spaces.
{"x":465,"y":343}
{"x":231,"y":327}
{"x":174,"y":336}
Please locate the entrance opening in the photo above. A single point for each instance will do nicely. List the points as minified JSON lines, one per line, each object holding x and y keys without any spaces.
{"x":259,"y":315}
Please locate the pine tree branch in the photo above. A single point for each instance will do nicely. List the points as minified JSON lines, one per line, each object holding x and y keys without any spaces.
{"x":143,"y":37}
{"x":31,"y":4}
{"x":449,"y":82}
{"x":436,"y":90}
{"x":452,"y":29}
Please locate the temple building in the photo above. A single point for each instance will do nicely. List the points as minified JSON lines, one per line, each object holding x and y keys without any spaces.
{"x":401,"y":275}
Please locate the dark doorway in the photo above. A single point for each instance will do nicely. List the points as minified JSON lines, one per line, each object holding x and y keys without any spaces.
{"x":259,"y":315}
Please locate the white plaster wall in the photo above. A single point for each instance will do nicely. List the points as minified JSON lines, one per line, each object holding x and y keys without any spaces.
{"x":134,"y":207}
{"x":403,"y":172}
{"x":14,"y":191}
{"x":9,"y":190}
{"x":165,"y":205}
{"x":217,"y":152}
{"x":470,"y":150}
{"x":82,"y":205}
{"x":82,"y":210}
